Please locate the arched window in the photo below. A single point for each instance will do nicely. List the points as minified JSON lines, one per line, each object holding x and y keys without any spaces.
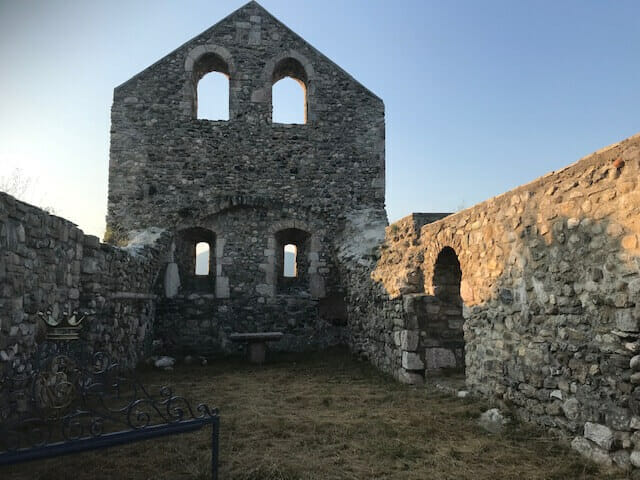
{"x":289,"y":92}
{"x":211,"y":85}
{"x":195,"y":258}
{"x":290,"y":261}
{"x":213,"y":97}
{"x":203,"y":251}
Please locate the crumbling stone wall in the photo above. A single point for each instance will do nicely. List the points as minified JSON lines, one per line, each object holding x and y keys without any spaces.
{"x":47,"y":263}
{"x":550,"y":281}
{"x":119,"y":288}
{"x":248,"y":185}
{"x":384,"y":312}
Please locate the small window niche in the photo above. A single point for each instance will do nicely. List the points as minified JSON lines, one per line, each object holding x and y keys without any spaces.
{"x":203,"y":252}
{"x":196,"y":260}
{"x":292,"y":261}
{"x":290,"y":267}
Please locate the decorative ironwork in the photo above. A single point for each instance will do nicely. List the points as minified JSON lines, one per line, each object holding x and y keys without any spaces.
{"x":66,"y":327}
{"x":76,"y":400}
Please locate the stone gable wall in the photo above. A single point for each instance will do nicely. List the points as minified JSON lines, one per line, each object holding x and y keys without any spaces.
{"x":167,"y":167}
{"x":244,"y":184}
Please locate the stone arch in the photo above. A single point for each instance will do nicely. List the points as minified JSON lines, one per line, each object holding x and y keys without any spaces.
{"x":444,"y":327}
{"x":447,"y":277}
{"x":445,"y":238}
{"x":201,"y":60}
{"x":295,"y":65}
{"x":307,"y":242}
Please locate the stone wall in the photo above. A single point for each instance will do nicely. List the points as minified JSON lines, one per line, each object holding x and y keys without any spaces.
{"x":550,"y":283}
{"x":119,"y":286}
{"x":246,"y":186}
{"x":47,"y":264}
{"x":384,"y":327}
{"x":169,"y":168}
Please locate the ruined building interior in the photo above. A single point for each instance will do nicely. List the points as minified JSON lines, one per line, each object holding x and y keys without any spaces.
{"x":534,"y":294}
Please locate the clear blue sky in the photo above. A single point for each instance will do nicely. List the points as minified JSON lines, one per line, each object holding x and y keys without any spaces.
{"x":480,"y":96}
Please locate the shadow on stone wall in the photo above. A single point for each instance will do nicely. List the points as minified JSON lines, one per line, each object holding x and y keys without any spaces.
{"x":558,"y":335}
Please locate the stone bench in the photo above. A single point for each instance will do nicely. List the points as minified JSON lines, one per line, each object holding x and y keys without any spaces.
{"x":257,"y":343}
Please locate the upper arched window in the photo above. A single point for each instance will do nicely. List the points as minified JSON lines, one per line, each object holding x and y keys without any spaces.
{"x":211,"y":85}
{"x":289,"y":92}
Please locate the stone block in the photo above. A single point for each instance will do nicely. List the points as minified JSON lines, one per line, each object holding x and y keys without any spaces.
{"x":412,"y":361}
{"x":222,"y":287}
{"x":91,"y":241}
{"x":627,"y":321}
{"x":493,"y":420}
{"x":571,"y":409}
{"x":220,"y":247}
{"x":409,"y":340}
{"x":590,"y":451}
{"x":411,"y":302}
{"x":618,"y":418}
{"x":89,"y":265}
{"x":438,"y":357}
{"x":599,"y":434}
{"x":171,"y":280}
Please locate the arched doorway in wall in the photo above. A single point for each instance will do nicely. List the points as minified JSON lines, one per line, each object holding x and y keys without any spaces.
{"x":446,"y":323}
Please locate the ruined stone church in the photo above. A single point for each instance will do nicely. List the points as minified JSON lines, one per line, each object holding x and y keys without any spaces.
{"x":534,"y":294}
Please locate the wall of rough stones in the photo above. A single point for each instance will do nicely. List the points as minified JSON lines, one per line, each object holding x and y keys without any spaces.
{"x":246,"y":186}
{"x":384,"y":328}
{"x":119,"y":287}
{"x":48,"y":264}
{"x":550,"y":283}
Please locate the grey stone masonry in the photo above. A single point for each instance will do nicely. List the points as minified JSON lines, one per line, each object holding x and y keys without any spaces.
{"x":246,"y":186}
{"x":48,"y":266}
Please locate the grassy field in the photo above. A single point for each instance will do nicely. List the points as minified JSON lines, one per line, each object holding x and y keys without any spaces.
{"x":324,"y":416}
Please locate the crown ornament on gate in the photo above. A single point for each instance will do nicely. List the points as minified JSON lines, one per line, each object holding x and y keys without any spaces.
{"x":66,"y":327}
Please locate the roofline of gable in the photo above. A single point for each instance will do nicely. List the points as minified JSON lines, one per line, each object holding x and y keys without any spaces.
{"x":318,"y":52}
{"x":276,"y":20}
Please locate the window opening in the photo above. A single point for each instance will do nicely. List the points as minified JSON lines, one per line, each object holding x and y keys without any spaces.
{"x":202,"y":258}
{"x":213,"y":97}
{"x":289,"y":101}
{"x":290,"y":268}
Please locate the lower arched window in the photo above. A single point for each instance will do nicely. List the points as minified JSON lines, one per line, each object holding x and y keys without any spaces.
{"x":292,"y":260}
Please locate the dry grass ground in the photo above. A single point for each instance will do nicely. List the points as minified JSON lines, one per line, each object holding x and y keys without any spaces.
{"x":322,"y":417}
